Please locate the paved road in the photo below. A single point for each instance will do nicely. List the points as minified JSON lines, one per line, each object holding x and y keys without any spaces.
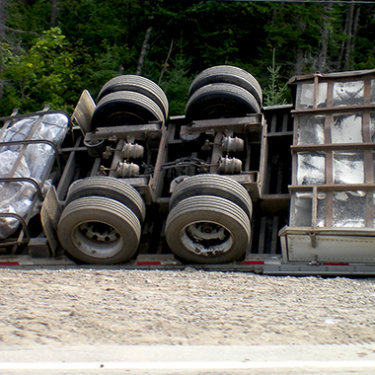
{"x":191,"y":360}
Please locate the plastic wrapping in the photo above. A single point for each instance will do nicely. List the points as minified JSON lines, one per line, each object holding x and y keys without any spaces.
{"x":311,"y":130}
{"x":305,"y":96}
{"x":344,"y":93}
{"x":348,"y":167}
{"x":348,"y":93}
{"x":348,"y":206}
{"x":347,"y":128}
{"x":372,"y":126}
{"x":302,"y":208}
{"x":349,"y":209}
{"x":311,"y":168}
{"x":342,"y":208}
{"x":26,"y":161}
{"x":321,"y":210}
{"x":372,"y":92}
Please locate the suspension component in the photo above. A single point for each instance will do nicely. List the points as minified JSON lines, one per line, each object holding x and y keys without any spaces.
{"x":132,"y":151}
{"x":108,"y":153}
{"x":230,"y":165}
{"x":230,"y":144}
{"x":125,"y":170}
{"x":95,"y":148}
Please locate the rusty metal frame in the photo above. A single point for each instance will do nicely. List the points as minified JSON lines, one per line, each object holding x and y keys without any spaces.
{"x":24,"y":237}
{"x":122,"y":132}
{"x":251,"y":128}
{"x":251,"y":123}
{"x":24,"y":228}
{"x":328,"y":147}
{"x":149,"y":186}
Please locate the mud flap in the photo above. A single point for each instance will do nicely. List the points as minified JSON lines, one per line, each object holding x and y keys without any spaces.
{"x":50,"y":215}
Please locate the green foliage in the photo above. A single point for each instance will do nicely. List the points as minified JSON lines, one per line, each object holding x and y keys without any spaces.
{"x":173,"y":76}
{"x":44,"y":74}
{"x":96,"y":70}
{"x":364,"y":52}
{"x":105,"y":25}
{"x":100,"y":39}
{"x":176,"y":83}
{"x":274,"y":94}
{"x":27,"y":19}
{"x":215,"y":32}
{"x":295,"y":28}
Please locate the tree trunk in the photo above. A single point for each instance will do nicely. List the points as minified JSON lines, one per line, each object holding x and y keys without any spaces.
{"x":165,"y":65}
{"x":3,"y":4}
{"x":322,"y":60}
{"x":355,"y":28}
{"x":298,"y":68}
{"x":343,"y":44}
{"x":348,"y":50}
{"x":299,"y":63}
{"x":53,"y":13}
{"x":144,"y":49}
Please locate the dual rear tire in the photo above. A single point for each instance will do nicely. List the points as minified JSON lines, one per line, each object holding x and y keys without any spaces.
{"x":130,"y":100}
{"x":101,"y":223}
{"x":209,"y":220}
{"x":223,"y":91}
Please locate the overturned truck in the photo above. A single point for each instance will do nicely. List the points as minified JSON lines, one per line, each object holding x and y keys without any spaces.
{"x":229,"y":185}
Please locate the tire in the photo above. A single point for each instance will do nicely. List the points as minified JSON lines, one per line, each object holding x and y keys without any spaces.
{"x":228,"y":74}
{"x":99,"y":230}
{"x":220,"y":100}
{"x":208,"y":229}
{"x":137,"y":84}
{"x":216,"y":185}
{"x":125,"y":108}
{"x":109,"y":187}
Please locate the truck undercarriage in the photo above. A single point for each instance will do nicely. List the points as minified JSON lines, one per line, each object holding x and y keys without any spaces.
{"x":285,"y":190}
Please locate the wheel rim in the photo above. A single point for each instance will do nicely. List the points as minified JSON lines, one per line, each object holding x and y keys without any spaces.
{"x":207,"y":238}
{"x":97,"y":239}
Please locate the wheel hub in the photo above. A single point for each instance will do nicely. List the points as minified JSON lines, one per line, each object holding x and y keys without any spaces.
{"x":99,"y":232}
{"x":207,"y":239}
{"x":206,"y":231}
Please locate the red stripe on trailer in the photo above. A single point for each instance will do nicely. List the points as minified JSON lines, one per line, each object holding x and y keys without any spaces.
{"x":148,"y":263}
{"x":335,"y":264}
{"x":9,"y":264}
{"x":252,"y":262}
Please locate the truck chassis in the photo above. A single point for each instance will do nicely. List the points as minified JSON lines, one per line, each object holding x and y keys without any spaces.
{"x":268,"y":148}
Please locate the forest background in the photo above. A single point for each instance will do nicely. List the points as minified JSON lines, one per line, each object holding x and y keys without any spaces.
{"x":50,"y":50}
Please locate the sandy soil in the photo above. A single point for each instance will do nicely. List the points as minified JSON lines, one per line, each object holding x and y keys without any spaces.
{"x":87,"y":306}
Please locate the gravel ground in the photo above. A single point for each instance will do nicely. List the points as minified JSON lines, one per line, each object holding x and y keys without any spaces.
{"x":91,"y":306}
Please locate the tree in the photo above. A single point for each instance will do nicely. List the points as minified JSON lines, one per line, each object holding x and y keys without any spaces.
{"x":363,"y":54}
{"x":105,"y":38}
{"x":54,"y":10}
{"x":45,"y":73}
{"x":2,"y":41}
{"x":176,"y":80}
{"x":102,"y":25}
{"x":274,"y":94}
{"x":2,"y":20}
{"x":351,"y":27}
